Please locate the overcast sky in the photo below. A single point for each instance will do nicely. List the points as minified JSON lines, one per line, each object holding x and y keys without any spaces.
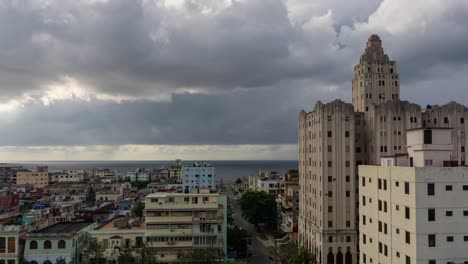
{"x":204,"y":79}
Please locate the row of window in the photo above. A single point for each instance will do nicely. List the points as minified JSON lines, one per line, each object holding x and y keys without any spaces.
{"x":431,"y":188}
{"x":47,"y":244}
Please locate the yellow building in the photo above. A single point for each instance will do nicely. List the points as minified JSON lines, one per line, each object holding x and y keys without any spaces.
{"x":34,"y":178}
{"x":119,"y":234}
{"x":180,"y":222}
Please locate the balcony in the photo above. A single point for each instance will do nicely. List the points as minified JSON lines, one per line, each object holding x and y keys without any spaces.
{"x":170,"y":244}
{"x":168,"y":232}
{"x":168,"y":219}
{"x":219,"y":219}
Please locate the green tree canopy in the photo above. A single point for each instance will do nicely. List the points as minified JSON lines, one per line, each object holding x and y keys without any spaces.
{"x":259,"y":207}
{"x":205,"y":256}
{"x":303,"y":257}
{"x":138,"y":209}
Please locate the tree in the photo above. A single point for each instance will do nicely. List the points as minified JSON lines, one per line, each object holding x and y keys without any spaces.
{"x":93,"y":253}
{"x":138,"y":209}
{"x":239,"y":181}
{"x":148,"y":257}
{"x":259,"y":208}
{"x":205,"y":256}
{"x":60,"y":261}
{"x":238,"y":240}
{"x":126,"y":257}
{"x":303,"y":257}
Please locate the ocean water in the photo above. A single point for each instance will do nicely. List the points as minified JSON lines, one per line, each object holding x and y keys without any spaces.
{"x":225,"y":170}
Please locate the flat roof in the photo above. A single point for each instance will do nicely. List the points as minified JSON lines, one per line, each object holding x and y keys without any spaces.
{"x":64,"y":227}
{"x":110,"y":226}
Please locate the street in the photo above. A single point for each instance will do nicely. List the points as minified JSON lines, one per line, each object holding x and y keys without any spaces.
{"x":258,"y":250}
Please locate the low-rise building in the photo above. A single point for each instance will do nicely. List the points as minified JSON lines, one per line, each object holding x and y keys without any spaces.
{"x":413,"y":208}
{"x":180,"y":222}
{"x":119,"y":234}
{"x":59,"y":241}
{"x":11,"y":243}
{"x":289,"y":204}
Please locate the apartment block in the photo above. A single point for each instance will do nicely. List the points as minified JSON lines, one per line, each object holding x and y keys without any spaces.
{"x":34,"y":178}
{"x":413,"y":208}
{"x":11,"y":244}
{"x":178,"y":222}
{"x":199,"y":174}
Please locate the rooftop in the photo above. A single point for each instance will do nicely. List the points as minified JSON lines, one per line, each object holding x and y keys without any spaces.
{"x":111,"y":227}
{"x":62,"y":228}
{"x":172,"y":194}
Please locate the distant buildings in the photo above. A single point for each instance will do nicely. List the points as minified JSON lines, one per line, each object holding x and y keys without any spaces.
{"x":11,"y":244}
{"x":199,"y":174}
{"x":288,"y":202}
{"x":270,"y":182}
{"x":336,"y":137}
{"x":413,"y":208}
{"x":180,"y":222}
{"x":8,"y":173}
{"x":34,"y":178}
{"x":138,"y":175}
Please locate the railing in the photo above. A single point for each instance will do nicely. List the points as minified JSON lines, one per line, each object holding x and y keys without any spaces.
{"x":208,"y":219}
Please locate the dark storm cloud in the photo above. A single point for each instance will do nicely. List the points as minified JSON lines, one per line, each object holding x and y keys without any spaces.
{"x":250,"y":65}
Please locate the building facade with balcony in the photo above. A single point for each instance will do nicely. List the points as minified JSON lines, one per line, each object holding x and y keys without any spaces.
{"x":289,"y":204}
{"x":11,"y":243}
{"x":178,"y":222}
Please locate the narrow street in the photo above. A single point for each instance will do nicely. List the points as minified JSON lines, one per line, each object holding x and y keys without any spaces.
{"x":258,"y":250}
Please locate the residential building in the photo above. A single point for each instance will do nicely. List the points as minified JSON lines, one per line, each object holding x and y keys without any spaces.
{"x":59,"y":241}
{"x":178,"y":222}
{"x":8,"y":173}
{"x":119,"y":234}
{"x":139,"y":174}
{"x":289,"y":204}
{"x":175,"y":171}
{"x":335,"y":138}
{"x":11,"y":243}
{"x":270,"y":182}
{"x":413,"y":208}
{"x":33,"y":178}
{"x":199,"y":174}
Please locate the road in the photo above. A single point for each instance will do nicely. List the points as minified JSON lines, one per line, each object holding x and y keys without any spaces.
{"x":259,"y":252}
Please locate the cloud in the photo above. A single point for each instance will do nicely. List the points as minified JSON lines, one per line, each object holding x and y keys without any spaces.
{"x":207,"y":72}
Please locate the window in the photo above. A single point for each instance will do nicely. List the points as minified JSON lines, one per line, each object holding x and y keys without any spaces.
{"x":431,"y":240}
{"x":462,"y":120}
{"x":427,"y":136}
{"x":330,"y":209}
{"x":347,"y":178}
{"x":379,"y":181}
{"x":363,"y":181}
{"x":363,"y":220}
{"x":430,"y":189}
{"x":330,"y":239}
{"x":329,"y":148}
{"x":329,"y":164}
{"x":448,"y":213}
{"x":446,"y":120}
{"x":11,"y":245}
{"x":465,"y":187}
{"x":431,"y":261}
{"x":449,"y":238}
{"x":33,"y":245}
{"x":62,"y":244}
{"x":330,"y":194}
{"x":465,"y":238}
{"x":406,"y":187}
{"x":431,"y":215}
{"x":347,"y":134}
{"x":348,"y":238}
{"x":448,"y":187}
{"x":408,"y":260}
{"x":47,"y":244}
{"x":380,"y":205}
{"x":330,"y":224}
{"x":329,"y":133}
{"x":385,"y":185}
{"x":407,"y":237}
{"x":2,"y":245}
{"x":465,"y":213}
{"x":407,"y":212}
{"x":397,"y":184}
{"x":347,"y":193}
{"x":330,"y":178}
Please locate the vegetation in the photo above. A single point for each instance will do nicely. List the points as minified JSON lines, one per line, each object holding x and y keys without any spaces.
{"x":140,"y":184}
{"x":259,"y":208}
{"x":205,"y":256}
{"x":138,"y":209}
{"x":93,"y":253}
{"x":303,"y":257}
{"x":239,"y":181}
{"x":238,"y":240}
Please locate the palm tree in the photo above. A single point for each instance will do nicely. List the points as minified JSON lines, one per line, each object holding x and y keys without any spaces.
{"x":303,"y":257}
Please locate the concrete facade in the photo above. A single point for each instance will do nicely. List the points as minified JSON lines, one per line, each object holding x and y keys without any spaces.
{"x":377,"y":123}
{"x":199,"y":174}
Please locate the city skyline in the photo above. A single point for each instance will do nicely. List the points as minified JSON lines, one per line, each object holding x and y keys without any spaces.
{"x":141,"y":80}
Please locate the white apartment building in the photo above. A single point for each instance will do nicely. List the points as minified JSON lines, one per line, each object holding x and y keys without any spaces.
{"x":414,"y":208}
{"x":138,"y":175}
{"x":199,"y":174}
